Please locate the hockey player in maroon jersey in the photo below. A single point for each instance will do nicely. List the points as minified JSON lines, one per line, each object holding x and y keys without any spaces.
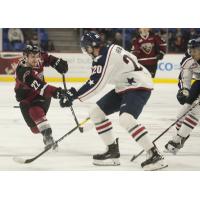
{"x":148,"y":48}
{"x":33,"y":93}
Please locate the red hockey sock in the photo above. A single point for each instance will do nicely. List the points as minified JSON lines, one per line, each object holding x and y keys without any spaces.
{"x":38,"y":116}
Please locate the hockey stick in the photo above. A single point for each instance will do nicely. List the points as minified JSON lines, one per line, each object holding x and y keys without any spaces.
{"x":71,"y":108}
{"x":26,"y":161}
{"x":166,"y":130}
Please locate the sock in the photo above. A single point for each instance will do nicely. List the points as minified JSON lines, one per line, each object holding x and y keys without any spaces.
{"x":178,"y":125}
{"x":139,"y":133}
{"x":38,"y":116}
{"x":189,"y":123}
{"x":104,"y":129}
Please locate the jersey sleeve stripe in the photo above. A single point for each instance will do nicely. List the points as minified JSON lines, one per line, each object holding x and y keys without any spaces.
{"x":184,"y":61}
{"x":42,"y":90}
{"x":102,"y":77}
{"x":164,"y":44}
{"x":180,"y":80}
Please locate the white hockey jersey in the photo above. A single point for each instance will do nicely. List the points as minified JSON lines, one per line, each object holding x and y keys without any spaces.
{"x":119,"y":67}
{"x":190,"y":69}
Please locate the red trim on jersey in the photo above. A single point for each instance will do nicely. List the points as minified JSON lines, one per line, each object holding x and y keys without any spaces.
{"x":92,"y":89}
{"x":103,"y":126}
{"x":138,"y":131}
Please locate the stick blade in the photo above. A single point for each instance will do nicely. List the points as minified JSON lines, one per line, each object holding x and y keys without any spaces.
{"x":133,"y":158}
{"x":19,"y":160}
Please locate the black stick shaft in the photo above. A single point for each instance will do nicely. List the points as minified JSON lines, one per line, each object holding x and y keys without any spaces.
{"x":57,"y":141}
{"x":71,"y":108}
{"x":159,"y":136}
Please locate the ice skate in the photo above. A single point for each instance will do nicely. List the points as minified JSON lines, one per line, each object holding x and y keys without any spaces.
{"x":110,"y":157}
{"x":174,"y":147}
{"x":154,"y":161}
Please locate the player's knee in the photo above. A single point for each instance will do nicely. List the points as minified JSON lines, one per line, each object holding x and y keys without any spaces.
{"x":127,"y":120}
{"x":35,"y":130}
{"x":196,"y":111}
{"x":96,"y":114}
{"x":36,"y":113}
{"x":38,"y":116}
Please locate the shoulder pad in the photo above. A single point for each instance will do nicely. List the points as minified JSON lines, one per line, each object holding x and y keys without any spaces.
{"x":185,"y":59}
{"x":22,"y":72}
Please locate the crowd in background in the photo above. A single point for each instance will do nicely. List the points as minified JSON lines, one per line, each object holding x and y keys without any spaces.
{"x":14,"y":39}
{"x":176,"y":38}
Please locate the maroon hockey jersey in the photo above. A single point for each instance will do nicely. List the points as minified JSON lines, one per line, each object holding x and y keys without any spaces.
{"x":147,"y":49}
{"x":30,"y":80}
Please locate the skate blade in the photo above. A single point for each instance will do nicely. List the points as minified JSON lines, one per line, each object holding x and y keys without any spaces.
{"x":107,"y":162}
{"x":173,"y":151}
{"x":170,"y":152}
{"x":156,"y":166}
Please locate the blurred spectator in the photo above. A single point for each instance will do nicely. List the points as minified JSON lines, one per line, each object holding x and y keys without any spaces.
{"x":193,"y":33}
{"x":176,"y":38}
{"x":51,"y":46}
{"x":43,"y":37}
{"x":179,"y":43}
{"x":103,"y":38}
{"x":118,"y":39}
{"x":162,"y":32}
{"x":16,"y":38}
{"x":34,"y":40}
{"x":149,"y":49}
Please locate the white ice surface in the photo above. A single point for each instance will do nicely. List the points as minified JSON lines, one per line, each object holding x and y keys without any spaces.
{"x":75,"y":152}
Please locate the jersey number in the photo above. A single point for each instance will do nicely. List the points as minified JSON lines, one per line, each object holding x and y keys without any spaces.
{"x":127,"y":59}
{"x":97,"y":69}
{"x":35,"y":85}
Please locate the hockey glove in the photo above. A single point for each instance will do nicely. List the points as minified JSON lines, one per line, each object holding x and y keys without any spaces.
{"x":182,"y":95}
{"x":61,"y":66}
{"x":160,"y":56}
{"x":67,"y":99}
{"x":59,"y":93}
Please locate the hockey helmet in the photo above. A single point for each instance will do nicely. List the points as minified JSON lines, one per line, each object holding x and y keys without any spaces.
{"x":90,"y":40}
{"x":194,"y":43}
{"x":31,"y":49}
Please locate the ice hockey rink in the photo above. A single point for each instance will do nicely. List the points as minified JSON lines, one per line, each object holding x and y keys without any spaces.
{"x":75,"y":151}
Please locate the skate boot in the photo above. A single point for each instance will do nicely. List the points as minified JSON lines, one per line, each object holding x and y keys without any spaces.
{"x":174,"y":147}
{"x":110,"y":157}
{"x":154,"y":161}
{"x":48,"y":139}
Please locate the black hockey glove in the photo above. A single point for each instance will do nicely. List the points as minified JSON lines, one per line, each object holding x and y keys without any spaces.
{"x":59,"y":93}
{"x":68,"y":98}
{"x":61,"y":66}
{"x":182,"y":95}
{"x":160,"y":56}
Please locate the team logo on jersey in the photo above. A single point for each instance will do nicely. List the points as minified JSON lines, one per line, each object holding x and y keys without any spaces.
{"x":131,"y":81}
{"x":147,"y":47}
{"x":118,"y":49}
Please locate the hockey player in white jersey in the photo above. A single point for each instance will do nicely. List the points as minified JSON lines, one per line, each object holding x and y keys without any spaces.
{"x":133,"y":85}
{"x":188,"y":94}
